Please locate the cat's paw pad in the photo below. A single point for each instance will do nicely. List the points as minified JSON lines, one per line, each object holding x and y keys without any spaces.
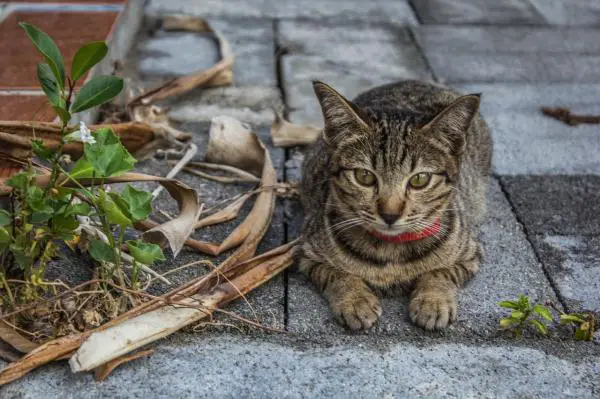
{"x":359,"y":311}
{"x":433,"y":310}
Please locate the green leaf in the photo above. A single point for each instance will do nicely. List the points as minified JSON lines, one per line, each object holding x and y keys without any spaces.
{"x":63,"y":114}
{"x":139,"y":202}
{"x":114,"y":214}
{"x":46,"y":46}
{"x":97,"y":91}
{"x":509,"y":304}
{"x":144,"y":252}
{"x":101,"y":251}
{"x":37,"y":200}
{"x":539,"y":325}
{"x":107,"y":156}
{"x":542,"y":311}
{"x":63,"y":226}
{"x":582,"y":335}
{"x":81,"y":209}
{"x":523,"y":302}
{"x":4,"y":236}
{"x":86,"y":57}
{"x":518,"y":315}
{"x":82,"y":169}
{"x":40,"y":217}
{"x":19,"y":181}
{"x":41,"y":150}
{"x":5,"y":218}
{"x":570,"y":318}
{"x":508,"y":322}
{"x":49,"y":84}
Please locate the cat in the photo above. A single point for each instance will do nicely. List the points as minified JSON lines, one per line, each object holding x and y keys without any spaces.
{"x":393,"y":191}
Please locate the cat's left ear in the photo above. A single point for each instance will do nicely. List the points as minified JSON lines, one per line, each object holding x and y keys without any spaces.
{"x":452,"y":123}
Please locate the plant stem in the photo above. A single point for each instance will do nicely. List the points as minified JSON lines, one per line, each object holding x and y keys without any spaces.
{"x":7,"y":287}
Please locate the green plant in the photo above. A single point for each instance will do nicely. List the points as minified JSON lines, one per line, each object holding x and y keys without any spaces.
{"x":583,"y":324}
{"x":42,"y":216}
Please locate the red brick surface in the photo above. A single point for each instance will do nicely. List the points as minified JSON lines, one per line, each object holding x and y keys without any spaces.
{"x":70,"y":30}
{"x":21,"y":107}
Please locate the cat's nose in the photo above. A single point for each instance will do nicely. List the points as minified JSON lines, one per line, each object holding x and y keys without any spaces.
{"x":389,"y":218}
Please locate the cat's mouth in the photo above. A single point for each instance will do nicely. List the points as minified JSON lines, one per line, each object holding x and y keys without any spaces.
{"x":409,"y":236}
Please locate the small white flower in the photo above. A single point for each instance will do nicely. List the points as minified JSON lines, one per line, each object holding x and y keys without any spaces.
{"x":83,"y":135}
{"x":86,"y":134}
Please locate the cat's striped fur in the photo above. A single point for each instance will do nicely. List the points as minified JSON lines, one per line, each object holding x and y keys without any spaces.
{"x":394,"y":132}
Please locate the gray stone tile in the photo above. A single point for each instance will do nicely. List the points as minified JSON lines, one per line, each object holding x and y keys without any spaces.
{"x":509,"y":12}
{"x":397,"y":11}
{"x":515,"y":67}
{"x":162,"y":54}
{"x":511,"y":54}
{"x":227,"y":365}
{"x":574,"y":264}
{"x":355,"y":58}
{"x":266,"y":301}
{"x":569,"y":12}
{"x":510,"y":268}
{"x":508,"y":39}
{"x":528,"y":142}
{"x":556,"y":205}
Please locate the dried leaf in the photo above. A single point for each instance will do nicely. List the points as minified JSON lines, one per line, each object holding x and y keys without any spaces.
{"x":103,"y":371}
{"x":232,"y":143}
{"x":16,"y":136}
{"x":16,"y":340}
{"x":218,"y":74}
{"x":103,"y":346}
{"x":226,"y":214}
{"x":287,"y":134}
{"x":564,"y":115}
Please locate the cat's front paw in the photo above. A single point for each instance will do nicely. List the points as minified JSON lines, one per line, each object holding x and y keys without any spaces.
{"x":433,"y":309}
{"x":357,"y":310}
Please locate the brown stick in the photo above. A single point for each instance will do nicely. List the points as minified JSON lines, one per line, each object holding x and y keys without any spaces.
{"x":564,"y":115}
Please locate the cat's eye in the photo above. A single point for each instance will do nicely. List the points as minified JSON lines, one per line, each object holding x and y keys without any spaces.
{"x":364,"y":177}
{"x":420,"y":180}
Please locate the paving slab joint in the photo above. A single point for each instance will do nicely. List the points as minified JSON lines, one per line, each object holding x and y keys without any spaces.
{"x":421,"y":51}
{"x":528,"y":236}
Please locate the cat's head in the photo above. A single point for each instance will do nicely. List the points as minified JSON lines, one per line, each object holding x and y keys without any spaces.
{"x":393,"y":172}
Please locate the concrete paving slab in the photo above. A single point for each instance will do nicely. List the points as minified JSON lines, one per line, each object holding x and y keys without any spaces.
{"x":484,"y":12}
{"x":378,"y":55}
{"x":162,"y":54}
{"x":503,"y":39}
{"x":573,"y":262}
{"x":397,"y":11}
{"x":510,"y":268}
{"x":253,"y":367}
{"x":528,"y":142}
{"x":511,"y":54}
{"x":556,"y":205}
{"x":569,"y":12}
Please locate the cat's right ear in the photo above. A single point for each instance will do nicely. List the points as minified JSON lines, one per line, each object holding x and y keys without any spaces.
{"x":342,"y":118}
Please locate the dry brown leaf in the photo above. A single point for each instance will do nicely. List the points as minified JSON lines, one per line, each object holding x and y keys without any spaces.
{"x":16,"y":136}
{"x":218,"y":74}
{"x":226,"y":214}
{"x":232,"y":143}
{"x":287,"y":134}
{"x":100,"y":373}
{"x":221,"y":179}
{"x":14,"y":339}
{"x":103,"y":346}
{"x":242,"y":175}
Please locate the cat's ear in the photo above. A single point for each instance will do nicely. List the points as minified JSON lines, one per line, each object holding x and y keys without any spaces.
{"x":342,"y":118}
{"x":452,"y":123}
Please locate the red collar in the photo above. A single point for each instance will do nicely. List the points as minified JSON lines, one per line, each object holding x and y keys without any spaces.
{"x":410,"y":236}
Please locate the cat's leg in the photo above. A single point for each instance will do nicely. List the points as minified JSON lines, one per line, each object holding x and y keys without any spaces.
{"x":352,"y":302}
{"x":433,"y":299}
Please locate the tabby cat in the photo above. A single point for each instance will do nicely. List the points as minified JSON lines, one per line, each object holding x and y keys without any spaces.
{"x":393,"y":191}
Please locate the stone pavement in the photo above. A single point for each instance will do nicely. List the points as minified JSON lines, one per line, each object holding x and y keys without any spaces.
{"x":541,"y":236}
